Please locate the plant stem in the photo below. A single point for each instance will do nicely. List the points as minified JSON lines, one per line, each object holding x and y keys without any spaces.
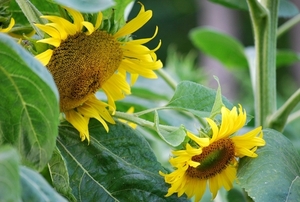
{"x":279,"y":118}
{"x":167,"y":78}
{"x":142,"y":122}
{"x":288,"y":25}
{"x":264,"y":21}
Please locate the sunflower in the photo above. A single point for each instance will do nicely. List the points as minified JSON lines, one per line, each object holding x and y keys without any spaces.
{"x":83,"y":58}
{"x":213,"y":160}
{"x":7,"y":29}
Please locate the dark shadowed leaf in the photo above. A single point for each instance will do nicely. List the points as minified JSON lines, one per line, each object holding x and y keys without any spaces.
{"x":115,"y":166}
{"x":28,"y":103}
{"x":274,"y":175}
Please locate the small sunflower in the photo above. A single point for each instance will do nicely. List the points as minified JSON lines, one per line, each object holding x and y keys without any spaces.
{"x":10,"y":26}
{"x":213,"y":160}
{"x":83,"y":58}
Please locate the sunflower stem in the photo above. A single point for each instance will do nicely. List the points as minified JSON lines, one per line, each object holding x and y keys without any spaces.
{"x":142,"y":122}
{"x":279,"y":118}
{"x":288,"y":25}
{"x":264,"y":21}
{"x":167,"y":78}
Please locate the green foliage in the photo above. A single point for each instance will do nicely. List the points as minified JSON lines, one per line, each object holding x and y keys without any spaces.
{"x":286,"y":58}
{"x":195,"y":98}
{"x":92,"y":6}
{"x":10,"y":188}
{"x":29,"y":103}
{"x":110,"y":170}
{"x":286,"y":8}
{"x":274,"y":174}
{"x":225,"y":48}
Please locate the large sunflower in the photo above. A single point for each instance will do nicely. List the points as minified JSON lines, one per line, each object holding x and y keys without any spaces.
{"x":84,"y":58}
{"x":9,"y":27}
{"x":213,"y":160}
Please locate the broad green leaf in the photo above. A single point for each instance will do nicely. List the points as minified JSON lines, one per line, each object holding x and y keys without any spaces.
{"x":60,"y":176}
{"x":10,"y":188}
{"x":29,"y":104}
{"x":286,"y":8}
{"x":274,"y":175}
{"x":286,"y":57}
{"x":115,"y":166}
{"x":36,"y":189}
{"x":195,"y":98}
{"x":173,"y":136}
{"x":92,"y":6}
{"x":220,"y":46}
{"x":237,"y":4}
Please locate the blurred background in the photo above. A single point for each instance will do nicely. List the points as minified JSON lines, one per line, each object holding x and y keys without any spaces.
{"x":176,"y":18}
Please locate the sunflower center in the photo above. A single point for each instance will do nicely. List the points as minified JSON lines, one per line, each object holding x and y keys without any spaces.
{"x":81,"y":65}
{"x":213,"y":159}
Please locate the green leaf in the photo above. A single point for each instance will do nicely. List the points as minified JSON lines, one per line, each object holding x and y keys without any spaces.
{"x":92,"y":6}
{"x":195,"y":98}
{"x":218,"y":104}
{"x":60,"y":175}
{"x":115,"y":166}
{"x":10,"y":188}
{"x":173,"y":137}
{"x":220,"y":46}
{"x":286,"y":8}
{"x":35,"y":188}
{"x":237,"y":4}
{"x":286,"y":57}
{"x":29,"y":104}
{"x":119,"y":9}
{"x":274,"y":175}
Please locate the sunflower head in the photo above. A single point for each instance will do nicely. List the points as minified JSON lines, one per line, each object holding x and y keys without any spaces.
{"x":85,"y":57}
{"x":213,"y":160}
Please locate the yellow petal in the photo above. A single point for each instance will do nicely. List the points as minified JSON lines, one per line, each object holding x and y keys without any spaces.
{"x":44,"y":57}
{"x":135,"y":24}
{"x":79,"y":122}
{"x":77,"y":18}
{"x":51,"y":31}
{"x":7,"y":29}
{"x":51,"y":41}
{"x":68,"y":26}
{"x":99,"y":20}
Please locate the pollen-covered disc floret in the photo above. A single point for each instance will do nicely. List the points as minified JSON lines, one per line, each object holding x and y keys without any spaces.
{"x":214,"y":160}
{"x":84,"y":59}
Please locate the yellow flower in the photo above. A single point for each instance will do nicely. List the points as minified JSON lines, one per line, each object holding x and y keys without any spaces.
{"x":83,"y":59}
{"x":7,"y":29}
{"x":213,"y":160}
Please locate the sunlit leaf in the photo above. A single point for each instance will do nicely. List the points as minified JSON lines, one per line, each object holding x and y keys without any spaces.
{"x":173,"y":137}
{"x":115,"y":166}
{"x":92,"y":6}
{"x":36,"y":189}
{"x":220,"y":46}
{"x":275,"y":174}
{"x":195,"y":98}
{"x":10,"y":188}
{"x":28,"y":103}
